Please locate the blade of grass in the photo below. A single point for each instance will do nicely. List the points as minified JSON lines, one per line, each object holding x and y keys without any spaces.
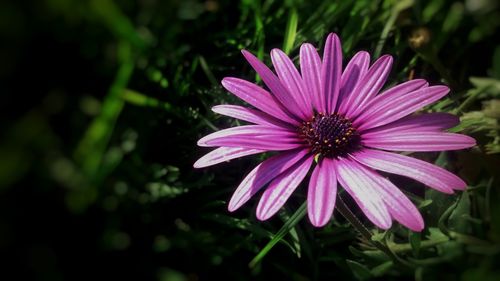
{"x":259,"y":35}
{"x":139,"y":99}
{"x":91,"y":148}
{"x":287,"y":227}
{"x":291,"y":30}
{"x":473,"y":94}
{"x":111,"y":15}
{"x":400,"y":6}
{"x":361,"y":14}
{"x":210,"y":75}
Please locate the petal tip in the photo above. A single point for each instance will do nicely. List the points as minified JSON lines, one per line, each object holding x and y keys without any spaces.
{"x":442,"y":89}
{"x":362,"y":53}
{"x":263,"y":216}
{"x":202,"y":142}
{"x":198,"y":164}
{"x":231,"y":207}
{"x":385,"y":225}
{"x":307,"y":44}
{"x":447,"y":191}
{"x":473,"y":141}
{"x":386,"y":61}
{"x":386,"y":57}
{"x":420,"y":82}
{"x":276,"y":52}
{"x":417,"y":228}
{"x":236,"y":202}
{"x":226,"y":81}
{"x":333,"y":36}
{"x":318,"y":222}
{"x":418,"y":223}
{"x":264,"y":212}
{"x":460,"y":186}
{"x":249,"y":57}
{"x":305,"y":49}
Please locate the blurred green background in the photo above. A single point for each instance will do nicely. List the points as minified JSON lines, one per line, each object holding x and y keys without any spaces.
{"x":103,"y":102}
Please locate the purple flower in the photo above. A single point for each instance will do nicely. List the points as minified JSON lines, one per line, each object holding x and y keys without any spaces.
{"x":340,"y":119}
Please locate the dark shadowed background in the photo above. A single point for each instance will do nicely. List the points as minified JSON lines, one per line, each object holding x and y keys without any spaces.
{"x":103,"y":102}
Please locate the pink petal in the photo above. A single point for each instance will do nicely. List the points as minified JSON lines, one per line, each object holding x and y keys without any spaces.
{"x":331,"y":71}
{"x":245,"y":131}
{"x":399,"y":206}
{"x":290,"y":78}
{"x":262,"y":174}
{"x":426,"y":173}
{"x":223,"y":154}
{"x":267,"y":143}
{"x":370,"y":85}
{"x":393,"y":106}
{"x":352,"y":76}
{"x":437,"y":121}
{"x":404,"y":88}
{"x":249,"y":115}
{"x":322,"y":193}
{"x":281,"y":188}
{"x":354,"y":180}
{"x":257,"y":97}
{"x":273,"y":83}
{"x":417,"y":141}
{"x":253,"y":136}
{"x":310,"y":65}
{"x":398,"y":90}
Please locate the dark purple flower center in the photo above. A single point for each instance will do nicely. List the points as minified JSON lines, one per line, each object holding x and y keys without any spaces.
{"x":330,"y":135}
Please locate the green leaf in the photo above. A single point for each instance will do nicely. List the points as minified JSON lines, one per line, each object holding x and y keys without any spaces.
{"x":415,"y":239}
{"x":381,"y":269}
{"x":286,"y":228}
{"x":450,"y":250}
{"x":360,"y":271}
{"x":486,"y":83}
{"x":355,"y":251}
{"x":457,"y":221}
{"x":378,"y":237}
{"x":172,"y":173}
{"x":442,"y":222}
{"x":440,"y":201}
{"x":158,"y":190}
{"x":424,"y":203}
{"x":435,"y":234}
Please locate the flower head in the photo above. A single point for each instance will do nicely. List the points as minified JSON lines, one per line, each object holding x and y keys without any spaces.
{"x":339,"y":118}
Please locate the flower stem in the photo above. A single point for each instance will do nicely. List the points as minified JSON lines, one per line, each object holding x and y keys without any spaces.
{"x":365,"y":232}
{"x":285,"y":229}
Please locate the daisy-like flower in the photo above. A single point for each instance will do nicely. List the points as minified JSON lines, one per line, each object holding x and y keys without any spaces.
{"x":339,"y":119}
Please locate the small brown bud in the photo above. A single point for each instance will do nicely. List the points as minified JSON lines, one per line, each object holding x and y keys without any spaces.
{"x":419,"y":38}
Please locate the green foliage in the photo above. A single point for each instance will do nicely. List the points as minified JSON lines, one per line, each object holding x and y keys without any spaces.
{"x":96,"y":174}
